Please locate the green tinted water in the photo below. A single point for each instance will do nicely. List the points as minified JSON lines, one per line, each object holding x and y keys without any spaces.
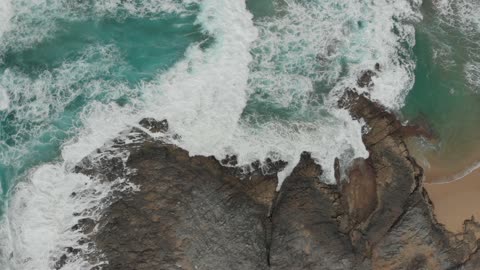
{"x":105,"y":57}
{"x":80,"y":62}
{"x":441,"y":94}
{"x":102,"y":52}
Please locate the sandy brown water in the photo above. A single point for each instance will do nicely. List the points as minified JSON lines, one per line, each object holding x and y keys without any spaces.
{"x":456,"y":201}
{"x":453,"y":184}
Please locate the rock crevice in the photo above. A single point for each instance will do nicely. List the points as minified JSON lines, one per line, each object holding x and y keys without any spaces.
{"x":195,"y":213}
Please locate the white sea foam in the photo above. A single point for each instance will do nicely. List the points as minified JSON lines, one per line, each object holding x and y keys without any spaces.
{"x":460,"y":13}
{"x":36,"y":227}
{"x":204,"y":97}
{"x":142,"y":8}
{"x":4,"y":99}
{"x":463,"y":16}
{"x":387,"y":36}
{"x":5,"y":15}
{"x":28,"y":22}
{"x":49,"y":94}
{"x":459,"y":176}
{"x":472,"y":74}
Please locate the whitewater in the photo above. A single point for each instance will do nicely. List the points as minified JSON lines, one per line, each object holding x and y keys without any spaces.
{"x":230,"y":83}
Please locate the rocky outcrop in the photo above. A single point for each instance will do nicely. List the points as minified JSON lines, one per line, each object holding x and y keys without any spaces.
{"x":401,"y":233}
{"x":190,"y":213}
{"x":195,"y":213}
{"x":366,"y":78}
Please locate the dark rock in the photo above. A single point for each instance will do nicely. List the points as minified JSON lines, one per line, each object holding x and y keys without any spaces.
{"x":401,"y":232}
{"x":190,"y":213}
{"x":85,"y":225}
{"x":336,"y":168}
{"x":360,"y":193}
{"x":472,"y":263}
{"x":230,"y":160}
{"x":256,"y":165}
{"x":419,"y":127}
{"x":61,"y":262}
{"x":73,"y":251}
{"x":194,"y":213}
{"x":154,"y":125}
{"x":257,"y":168}
{"x":306,"y":167}
{"x":305,"y":232}
{"x":83,"y":241}
{"x":271,"y":167}
{"x":365,"y":79}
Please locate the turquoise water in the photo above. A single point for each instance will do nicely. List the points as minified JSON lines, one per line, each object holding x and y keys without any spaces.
{"x":109,"y":51}
{"x":258,"y":79}
{"x":442,"y":94}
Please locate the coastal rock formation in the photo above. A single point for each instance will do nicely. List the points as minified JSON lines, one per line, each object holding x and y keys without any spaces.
{"x":366,"y":79}
{"x":194,"y":213}
{"x":401,"y":233}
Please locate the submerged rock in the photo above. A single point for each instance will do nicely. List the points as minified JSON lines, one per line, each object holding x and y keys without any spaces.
{"x":365,"y":80}
{"x":154,"y":125}
{"x":194,"y":213}
{"x":85,"y":225}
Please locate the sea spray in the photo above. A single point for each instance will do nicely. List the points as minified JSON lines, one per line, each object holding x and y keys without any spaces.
{"x":462,"y":15}
{"x":47,"y":107}
{"x":257,"y":89}
{"x":446,"y":85}
{"x":40,"y":215}
{"x":4,"y":99}
{"x":5,"y":16}
{"x":459,"y":13}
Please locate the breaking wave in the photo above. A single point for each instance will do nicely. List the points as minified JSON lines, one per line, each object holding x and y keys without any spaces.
{"x":258,"y":88}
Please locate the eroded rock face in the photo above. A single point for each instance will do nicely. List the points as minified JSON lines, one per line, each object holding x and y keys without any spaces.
{"x":401,"y":233}
{"x":194,"y":213}
{"x":366,"y":78}
{"x":305,"y":231}
{"x":190,"y":213}
{"x":360,"y":193}
{"x":154,"y":125}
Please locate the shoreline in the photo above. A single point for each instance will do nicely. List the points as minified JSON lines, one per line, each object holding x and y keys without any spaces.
{"x":445,"y":165}
{"x":453,"y":185}
{"x":456,"y":201}
{"x":457,"y":177}
{"x":193,"y":205}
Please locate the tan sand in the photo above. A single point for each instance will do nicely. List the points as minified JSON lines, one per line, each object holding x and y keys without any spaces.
{"x":456,"y":201}
{"x":452,"y":182}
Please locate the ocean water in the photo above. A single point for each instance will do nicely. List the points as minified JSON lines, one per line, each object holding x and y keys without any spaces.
{"x":257,"y":78}
{"x":447,"y":87}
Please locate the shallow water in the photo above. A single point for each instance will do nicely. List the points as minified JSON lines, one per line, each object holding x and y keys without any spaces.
{"x":446,"y":92}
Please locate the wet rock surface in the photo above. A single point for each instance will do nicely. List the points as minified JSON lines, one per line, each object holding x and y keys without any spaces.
{"x":401,"y":233}
{"x":194,"y":213}
{"x":366,"y":78}
{"x":154,"y":125}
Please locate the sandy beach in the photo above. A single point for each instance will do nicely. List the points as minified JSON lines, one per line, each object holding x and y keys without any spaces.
{"x":456,"y":200}
{"x":453,"y":185}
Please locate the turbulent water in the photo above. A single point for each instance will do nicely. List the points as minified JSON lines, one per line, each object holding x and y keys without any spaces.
{"x":447,"y":86}
{"x":258,"y":79}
